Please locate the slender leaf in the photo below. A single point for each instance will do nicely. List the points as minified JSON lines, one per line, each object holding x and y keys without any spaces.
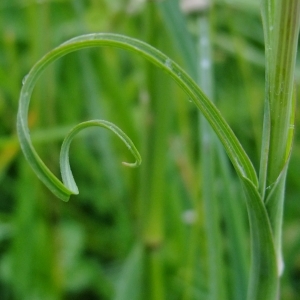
{"x":129,"y":284}
{"x":264,"y":280}
{"x":208,"y":144}
{"x":232,"y":146}
{"x":66,"y":172}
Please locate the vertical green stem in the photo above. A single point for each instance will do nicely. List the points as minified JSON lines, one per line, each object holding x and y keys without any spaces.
{"x":282,"y":85}
{"x":216,"y":268}
{"x":155,"y":145}
{"x":234,"y":217}
{"x":281,"y":47}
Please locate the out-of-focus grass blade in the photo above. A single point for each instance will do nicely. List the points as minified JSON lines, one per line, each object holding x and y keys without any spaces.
{"x":175,"y":22}
{"x":236,"y":226}
{"x":251,"y":54}
{"x":208,"y":146}
{"x":129,"y":284}
{"x":235,"y":151}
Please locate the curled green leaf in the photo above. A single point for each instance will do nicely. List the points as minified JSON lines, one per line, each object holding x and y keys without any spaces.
{"x":235,"y":151}
{"x":66,"y":173}
{"x":68,"y":186}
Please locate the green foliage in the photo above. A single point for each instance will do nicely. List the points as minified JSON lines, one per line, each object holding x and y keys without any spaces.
{"x":176,"y":227}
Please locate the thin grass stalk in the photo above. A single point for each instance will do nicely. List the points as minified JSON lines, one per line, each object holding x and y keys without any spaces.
{"x":33,"y":218}
{"x":216,"y":267}
{"x":131,"y":276}
{"x":252,"y":95}
{"x":154,"y":192}
{"x":195,"y":254}
{"x":23,"y":247}
{"x":232,"y":212}
{"x":236,"y":229}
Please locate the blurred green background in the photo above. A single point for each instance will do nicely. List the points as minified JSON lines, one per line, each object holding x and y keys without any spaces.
{"x":130,"y":233}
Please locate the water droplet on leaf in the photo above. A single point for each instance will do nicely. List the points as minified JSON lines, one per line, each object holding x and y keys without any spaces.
{"x":24,"y":79}
{"x":168,"y":63}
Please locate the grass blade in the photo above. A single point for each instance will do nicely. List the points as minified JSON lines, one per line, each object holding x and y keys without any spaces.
{"x":131,"y":276}
{"x":66,"y":172}
{"x":264,"y":280}
{"x":208,"y":144}
{"x":235,"y":151}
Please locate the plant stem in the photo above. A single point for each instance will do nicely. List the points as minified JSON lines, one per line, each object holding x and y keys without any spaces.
{"x":281,"y":48}
{"x":208,"y":154}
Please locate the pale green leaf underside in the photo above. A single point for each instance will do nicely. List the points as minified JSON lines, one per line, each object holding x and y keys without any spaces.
{"x":235,"y":151}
